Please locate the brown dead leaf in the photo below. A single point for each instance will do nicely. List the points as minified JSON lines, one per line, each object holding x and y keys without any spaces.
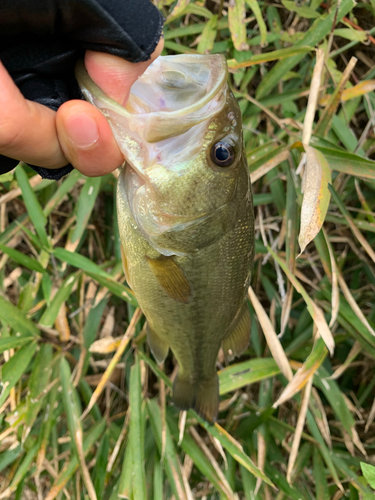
{"x":316,"y":196}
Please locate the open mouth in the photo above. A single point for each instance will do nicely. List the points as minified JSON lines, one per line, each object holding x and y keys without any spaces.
{"x":174,"y":94}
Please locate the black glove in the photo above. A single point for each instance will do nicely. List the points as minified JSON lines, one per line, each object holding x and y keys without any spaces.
{"x":41,"y":40}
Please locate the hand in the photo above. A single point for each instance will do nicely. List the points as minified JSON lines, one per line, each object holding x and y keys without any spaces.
{"x":77,"y":133}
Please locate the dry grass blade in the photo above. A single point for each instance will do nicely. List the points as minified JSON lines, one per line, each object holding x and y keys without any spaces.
{"x":116,"y":358}
{"x":354,"y":352}
{"x":314,"y":310}
{"x":215,"y":465}
{"x":313,"y":98}
{"x":261,"y":459}
{"x":128,"y":443}
{"x":10,"y":195}
{"x":273,"y":342}
{"x":269,"y":165}
{"x":119,"y":442}
{"x":181,"y":426}
{"x":265,"y":110}
{"x":303,"y":374}
{"x":371,"y":417}
{"x":334,"y":282}
{"x":329,"y":111}
{"x":321,"y":420}
{"x":357,"y":233}
{"x":353,"y":304}
{"x":85,"y":471}
{"x":360,"y":89}
{"x":299,"y":428}
{"x":105,"y":345}
{"x":177,"y":10}
{"x":285,"y":313}
{"x":62,"y":324}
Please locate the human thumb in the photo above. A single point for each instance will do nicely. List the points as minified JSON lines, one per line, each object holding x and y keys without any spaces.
{"x":114,"y":75}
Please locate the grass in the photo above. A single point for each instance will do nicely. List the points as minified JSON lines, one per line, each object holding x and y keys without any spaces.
{"x":84,"y":409}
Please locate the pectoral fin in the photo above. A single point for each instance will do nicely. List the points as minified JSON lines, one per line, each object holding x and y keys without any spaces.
{"x":158,"y":347}
{"x":171,"y":278}
{"x":238,"y":338}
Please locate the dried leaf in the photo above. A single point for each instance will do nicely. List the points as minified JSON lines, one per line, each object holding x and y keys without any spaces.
{"x":105,"y":345}
{"x":315,"y":311}
{"x":353,"y":304}
{"x":302,"y":376}
{"x":273,"y":342}
{"x":299,"y":429}
{"x":316,"y":196}
{"x":237,"y":27}
{"x":177,"y":10}
{"x":120,"y":350}
{"x":313,"y":98}
{"x":207,"y":38}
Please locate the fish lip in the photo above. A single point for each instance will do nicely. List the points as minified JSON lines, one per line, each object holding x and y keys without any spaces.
{"x":90,"y":88}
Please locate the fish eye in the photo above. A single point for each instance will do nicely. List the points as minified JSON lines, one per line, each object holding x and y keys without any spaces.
{"x":222,"y":154}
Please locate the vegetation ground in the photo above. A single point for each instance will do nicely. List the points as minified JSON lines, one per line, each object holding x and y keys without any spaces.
{"x":84,"y":410}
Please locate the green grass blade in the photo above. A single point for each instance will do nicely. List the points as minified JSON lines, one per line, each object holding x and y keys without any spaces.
{"x":200,"y":460}
{"x":63,"y":293}
{"x":13,"y":342}
{"x":125,"y":481}
{"x":99,"y":472}
{"x":234,"y":449}
{"x":24,"y":467}
{"x":70,"y":467}
{"x":333,"y":394}
{"x":13,"y":369}
{"x":39,"y":379}
{"x":317,"y":32}
{"x":62,"y":190}
{"x":79,"y":261}
{"x":320,"y":477}
{"x":85,"y":206}
{"x":170,"y":459}
{"x":22,"y":259}
{"x":136,"y":432}
{"x":12,"y":316}
{"x":348,"y":163}
{"x":248,"y":372}
{"x":32,"y":204}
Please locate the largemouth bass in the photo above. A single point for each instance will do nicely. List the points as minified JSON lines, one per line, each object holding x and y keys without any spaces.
{"x":185,"y":215}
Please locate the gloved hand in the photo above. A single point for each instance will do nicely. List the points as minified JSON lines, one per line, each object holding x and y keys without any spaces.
{"x":40,"y":42}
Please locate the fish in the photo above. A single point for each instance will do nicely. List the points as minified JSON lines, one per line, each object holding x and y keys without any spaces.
{"x":185,"y":216}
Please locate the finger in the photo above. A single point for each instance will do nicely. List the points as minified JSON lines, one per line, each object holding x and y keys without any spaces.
{"x":37,"y":135}
{"x":114,"y":75}
{"x":86,"y":139}
{"x":27,"y":129}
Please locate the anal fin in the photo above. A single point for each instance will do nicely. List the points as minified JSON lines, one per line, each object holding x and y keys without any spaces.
{"x":238,"y":339}
{"x":202,"y":396}
{"x":158,"y":347}
{"x":171,"y":278}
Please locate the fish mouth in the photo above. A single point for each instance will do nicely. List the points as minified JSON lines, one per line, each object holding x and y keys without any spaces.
{"x":174,"y":94}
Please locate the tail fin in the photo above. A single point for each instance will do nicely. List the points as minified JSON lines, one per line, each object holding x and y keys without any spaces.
{"x":202,"y":396}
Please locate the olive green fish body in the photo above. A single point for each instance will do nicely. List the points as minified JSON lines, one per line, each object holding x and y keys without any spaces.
{"x":185,"y":216}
